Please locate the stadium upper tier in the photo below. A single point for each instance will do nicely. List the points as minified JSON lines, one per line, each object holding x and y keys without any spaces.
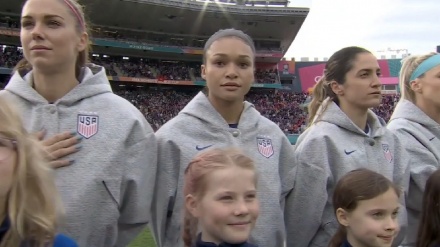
{"x":142,"y":68}
{"x":183,"y":23}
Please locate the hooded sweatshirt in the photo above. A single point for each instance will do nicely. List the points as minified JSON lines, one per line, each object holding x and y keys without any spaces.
{"x":200,"y":127}
{"x":107,"y":191}
{"x":330,"y":148}
{"x":420,"y":136}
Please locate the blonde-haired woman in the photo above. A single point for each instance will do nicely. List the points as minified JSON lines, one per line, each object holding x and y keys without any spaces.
{"x":416,"y":121}
{"x":106,"y":183}
{"x":29,"y":203}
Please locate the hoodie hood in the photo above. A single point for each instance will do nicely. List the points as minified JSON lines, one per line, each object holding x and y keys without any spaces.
{"x":334,"y":115}
{"x":405,"y":109}
{"x":200,"y":107}
{"x":93,"y":81}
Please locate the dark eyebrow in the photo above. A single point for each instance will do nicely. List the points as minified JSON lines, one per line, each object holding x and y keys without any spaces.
{"x":369,"y":70}
{"x":382,"y":210}
{"x":45,"y":17}
{"x":224,"y":55}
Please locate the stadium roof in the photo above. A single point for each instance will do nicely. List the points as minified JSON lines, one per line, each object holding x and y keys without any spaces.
{"x":251,"y":2}
{"x":191,"y":18}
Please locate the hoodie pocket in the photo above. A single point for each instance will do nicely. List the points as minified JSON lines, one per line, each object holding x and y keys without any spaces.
{"x":113,"y":188}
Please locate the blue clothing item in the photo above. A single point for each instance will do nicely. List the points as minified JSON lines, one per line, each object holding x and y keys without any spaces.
{"x":63,"y":241}
{"x":200,"y":243}
{"x":4,"y":227}
{"x":346,"y":244}
{"x":59,"y":241}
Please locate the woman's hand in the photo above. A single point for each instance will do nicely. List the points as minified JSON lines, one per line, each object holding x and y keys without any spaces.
{"x":60,"y":146}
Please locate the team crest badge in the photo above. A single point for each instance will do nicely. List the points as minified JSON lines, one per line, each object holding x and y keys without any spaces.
{"x":265,"y":147}
{"x":87,"y":125}
{"x":387,"y":152}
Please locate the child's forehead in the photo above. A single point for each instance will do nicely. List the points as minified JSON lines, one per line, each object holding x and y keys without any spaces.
{"x":385,"y":201}
{"x":230,"y":178}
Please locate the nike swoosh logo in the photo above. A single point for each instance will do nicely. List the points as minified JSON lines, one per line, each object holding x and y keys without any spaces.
{"x":432,"y":138}
{"x":348,"y":153}
{"x":202,"y":148}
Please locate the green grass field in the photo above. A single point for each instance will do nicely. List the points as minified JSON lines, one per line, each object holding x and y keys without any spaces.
{"x":145,"y":239}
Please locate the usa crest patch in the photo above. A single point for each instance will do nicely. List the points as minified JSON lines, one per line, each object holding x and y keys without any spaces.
{"x":387,"y":152}
{"x":87,"y":125}
{"x":265,"y":147}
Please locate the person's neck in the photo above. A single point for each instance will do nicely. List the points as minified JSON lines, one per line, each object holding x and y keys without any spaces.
{"x":353,"y":242}
{"x":357,"y":116}
{"x":429,"y":109}
{"x":54,"y":86}
{"x":230,"y":111}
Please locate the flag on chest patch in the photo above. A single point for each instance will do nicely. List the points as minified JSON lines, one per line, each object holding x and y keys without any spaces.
{"x":265,"y":147}
{"x":87,"y":125}
{"x":387,"y":152}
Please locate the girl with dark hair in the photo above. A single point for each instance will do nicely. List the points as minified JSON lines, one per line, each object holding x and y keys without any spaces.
{"x":366,"y":205}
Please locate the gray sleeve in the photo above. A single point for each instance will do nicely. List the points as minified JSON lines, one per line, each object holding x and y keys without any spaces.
{"x":137,"y":185}
{"x":306,"y":202}
{"x":166,"y":187}
{"x":415,"y":167}
{"x":401,"y":178}
{"x":287,"y":165}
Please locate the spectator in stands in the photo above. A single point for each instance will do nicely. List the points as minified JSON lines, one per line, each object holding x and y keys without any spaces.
{"x":282,"y":107}
{"x":29,"y":201}
{"x":222,"y":118}
{"x":344,"y":135}
{"x":416,"y":121}
{"x":107,"y":190}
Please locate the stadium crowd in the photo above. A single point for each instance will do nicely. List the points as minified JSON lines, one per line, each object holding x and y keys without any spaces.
{"x":282,"y":107}
{"x":146,"y":68}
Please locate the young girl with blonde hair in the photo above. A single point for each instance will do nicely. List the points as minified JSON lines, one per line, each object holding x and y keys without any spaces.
{"x":29,"y":202}
{"x":220,"y":199}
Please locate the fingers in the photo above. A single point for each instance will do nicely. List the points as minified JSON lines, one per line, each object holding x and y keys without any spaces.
{"x":60,"y":163}
{"x":62,"y":152}
{"x":64,"y":145}
{"x":59,"y":137}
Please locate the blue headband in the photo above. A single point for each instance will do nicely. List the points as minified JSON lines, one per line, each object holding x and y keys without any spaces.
{"x":425,"y":66}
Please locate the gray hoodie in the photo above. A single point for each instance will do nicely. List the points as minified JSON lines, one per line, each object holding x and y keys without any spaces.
{"x":198,"y":126}
{"x":329,"y":149}
{"x":420,"y":136}
{"x":107,"y":192}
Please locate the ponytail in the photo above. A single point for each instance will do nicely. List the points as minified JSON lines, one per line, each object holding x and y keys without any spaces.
{"x":189,"y":229}
{"x":23,"y":67}
{"x":321,"y":91}
{"x":338,"y":239}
